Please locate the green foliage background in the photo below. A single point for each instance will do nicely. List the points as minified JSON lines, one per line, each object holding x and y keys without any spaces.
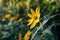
{"x":50,"y":14}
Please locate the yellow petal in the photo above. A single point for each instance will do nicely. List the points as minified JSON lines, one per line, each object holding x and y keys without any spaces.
{"x":21,"y":4}
{"x":32,"y":11}
{"x":30,"y":21}
{"x":10,"y":3}
{"x":33,"y":25}
{"x":38,"y":11}
{"x":30,"y":15}
{"x":20,"y":19}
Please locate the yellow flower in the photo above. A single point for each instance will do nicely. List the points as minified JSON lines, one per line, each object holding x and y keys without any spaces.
{"x":0,"y":2}
{"x":17,"y":5}
{"x":3,"y":19}
{"x":47,"y":1}
{"x":10,"y":3}
{"x":34,"y":17}
{"x":7,"y":15}
{"x":27,"y":2}
{"x":27,"y":35}
{"x":12,"y":19}
{"x":20,"y":19}
{"x":21,"y":4}
{"x":20,"y":36}
{"x":16,"y":16}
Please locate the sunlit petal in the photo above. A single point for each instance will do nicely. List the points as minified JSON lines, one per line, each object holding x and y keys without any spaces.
{"x":32,"y":11}
{"x":30,"y":22}
{"x":33,"y":25}
{"x":30,"y":15}
{"x":20,"y":19}
{"x":38,"y":11}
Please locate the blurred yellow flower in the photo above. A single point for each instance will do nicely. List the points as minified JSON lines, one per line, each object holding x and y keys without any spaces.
{"x":34,"y":17}
{"x":10,"y":3}
{"x":20,"y":19}
{"x":27,"y":35}
{"x":0,"y":2}
{"x":46,"y":1}
{"x":17,"y":5}
{"x":20,"y":36}
{"x":3,"y":19}
{"x":16,"y":16}
{"x":7,"y":15}
{"x":21,"y":4}
{"x":27,"y":2}
{"x":12,"y":19}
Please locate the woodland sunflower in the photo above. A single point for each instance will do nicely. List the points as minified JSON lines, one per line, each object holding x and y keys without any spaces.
{"x":14,"y":17}
{"x":20,"y":36}
{"x":27,"y":35}
{"x":7,"y":15}
{"x":34,"y":17}
{"x":10,"y":3}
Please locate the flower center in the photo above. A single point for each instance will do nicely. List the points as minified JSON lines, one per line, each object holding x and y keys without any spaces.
{"x":35,"y":17}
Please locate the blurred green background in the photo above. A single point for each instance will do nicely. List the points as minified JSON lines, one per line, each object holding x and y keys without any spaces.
{"x":11,"y":27}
